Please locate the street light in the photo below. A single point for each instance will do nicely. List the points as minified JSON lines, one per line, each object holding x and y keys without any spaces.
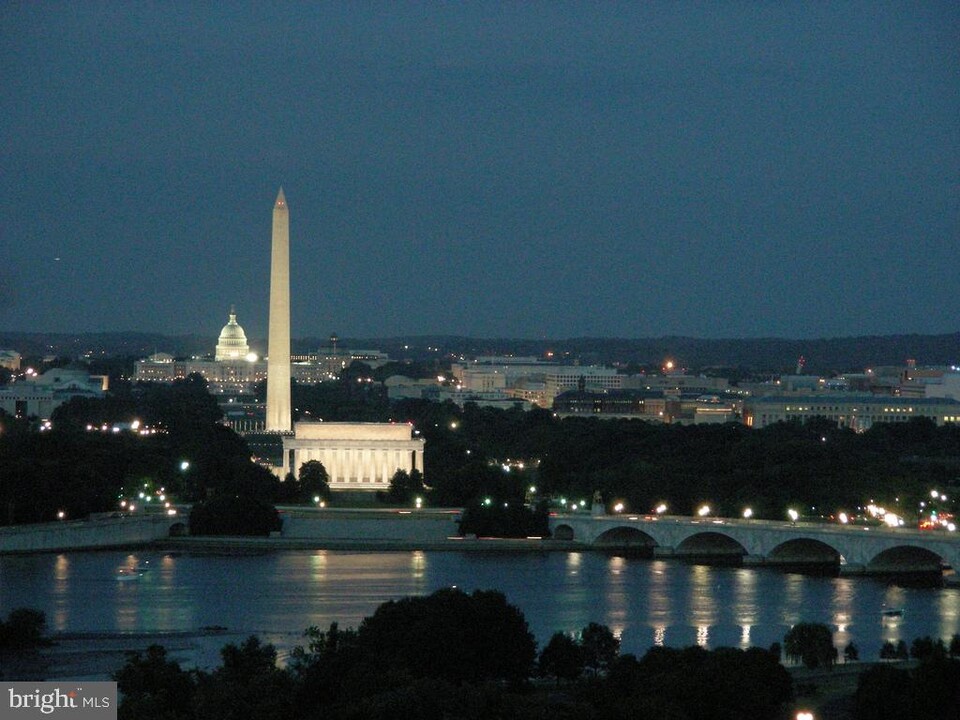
{"x":661,"y":508}
{"x":748,"y":513}
{"x":793,"y":515}
{"x":703,"y":511}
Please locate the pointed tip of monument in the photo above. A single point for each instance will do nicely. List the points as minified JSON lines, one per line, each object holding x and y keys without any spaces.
{"x":281,"y":200}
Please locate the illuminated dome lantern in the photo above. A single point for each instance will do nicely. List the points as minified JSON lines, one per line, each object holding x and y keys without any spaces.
{"x":233,"y":341}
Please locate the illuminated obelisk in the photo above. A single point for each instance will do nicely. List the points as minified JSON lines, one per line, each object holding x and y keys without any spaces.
{"x":278,"y":343}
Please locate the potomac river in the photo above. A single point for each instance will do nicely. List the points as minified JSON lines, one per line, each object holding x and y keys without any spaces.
{"x":276,"y":595}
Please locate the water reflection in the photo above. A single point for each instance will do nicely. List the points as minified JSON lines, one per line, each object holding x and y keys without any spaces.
{"x":418,"y":566}
{"x":948,"y":610}
{"x":615,"y":595}
{"x":841,"y":609}
{"x":703,"y":636}
{"x":645,"y":602}
{"x":660,"y":635}
{"x":61,"y":575}
{"x":703,"y":603}
{"x":745,"y":603}
{"x":658,"y":597}
{"x":318,"y":566}
{"x":793,"y":606}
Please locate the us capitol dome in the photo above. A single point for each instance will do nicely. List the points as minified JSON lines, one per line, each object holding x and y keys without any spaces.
{"x":233,"y":341}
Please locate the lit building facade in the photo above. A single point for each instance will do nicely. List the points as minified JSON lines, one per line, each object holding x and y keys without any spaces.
{"x":591,"y":377}
{"x":356,"y":456}
{"x":856,"y":411}
{"x":38,"y":398}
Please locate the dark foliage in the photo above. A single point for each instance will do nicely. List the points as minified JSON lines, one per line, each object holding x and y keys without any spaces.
{"x":504,"y":519}
{"x":694,"y":683}
{"x":82,"y":471}
{"x":233,"y":515}
{"x":404,"y":487}
{"x":811,"y":644}
{"x":453,"y":636}
{"x":562,"y":658}
{"x":310,"y":482}
{"x":932,"y":690}
{"x":22,"y":630}
{"x":154,"y":687}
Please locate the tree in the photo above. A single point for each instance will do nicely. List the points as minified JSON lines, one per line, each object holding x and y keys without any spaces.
{"x":926,"y":647}
{"x":233,"y":515}
{"x":888,"y":651}
{"x":313,"y":481}
{"x":851,"y":653}
{"x":810,"y":643}
{"x":562,"y":658}
{"x":954,"y":649}
{"x":883,"y":693}
{"x":153,"y":687}
{"x":23,"y":629}
{"x":452,"y":635}
{"x":405,"y":486}
{"x":247,"y":684}
{"x":600,"y":647}
{"x":902,"y":653}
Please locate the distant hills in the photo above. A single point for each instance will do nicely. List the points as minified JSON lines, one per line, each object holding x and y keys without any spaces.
{"x":822,"y":355}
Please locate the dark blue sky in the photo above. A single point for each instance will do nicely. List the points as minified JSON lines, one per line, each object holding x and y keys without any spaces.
{"x":519,"y":169}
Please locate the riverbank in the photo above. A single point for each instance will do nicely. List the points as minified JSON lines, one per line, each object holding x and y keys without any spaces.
{"x":455,"y":544}
{"x":96,"y":656}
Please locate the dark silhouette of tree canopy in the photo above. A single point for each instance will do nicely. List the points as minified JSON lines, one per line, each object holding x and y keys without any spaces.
{"x":561,"y":658}
{"x":452,"y":635}
{"x":154,"y":687}
{"x":404,"y":487}
{"x":600,"y":647}
{"x":695,"y":683}
{"x":811,"y":644}
{"x":233,"y":515}
{"x":312,"y":482}
{"x":22,"y":630}
{"x":931,"y":690}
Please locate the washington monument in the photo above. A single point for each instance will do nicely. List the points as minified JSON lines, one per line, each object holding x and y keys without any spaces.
{"x":278,"y":343}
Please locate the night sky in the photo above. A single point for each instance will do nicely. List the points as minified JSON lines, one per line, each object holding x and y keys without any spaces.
{"x":498,"y":170}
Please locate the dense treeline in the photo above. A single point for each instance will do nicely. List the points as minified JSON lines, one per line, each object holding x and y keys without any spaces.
{"x":814,"y":465}
{"x":477,"y":453}
{"x":472,"y":657}
{"x":454,"y":655}
{"x":80,"y":470}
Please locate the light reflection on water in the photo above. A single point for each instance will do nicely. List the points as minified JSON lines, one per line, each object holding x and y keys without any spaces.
{"x":645,"y":602}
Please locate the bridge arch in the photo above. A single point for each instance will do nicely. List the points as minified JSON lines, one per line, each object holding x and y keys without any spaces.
{"x":563,"y":532}
{"x":710,"y":543}
{"x":624,"y":536}
{"x":804,"y":550}
{"x":178,"y":529}
{"x":905,"y":559}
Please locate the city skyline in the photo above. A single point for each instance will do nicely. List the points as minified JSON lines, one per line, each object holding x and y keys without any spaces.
{"x":490,"y":171}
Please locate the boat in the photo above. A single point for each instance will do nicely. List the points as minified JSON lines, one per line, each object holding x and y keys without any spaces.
{"x":892,"y":612}
{"x":125,"y":575}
